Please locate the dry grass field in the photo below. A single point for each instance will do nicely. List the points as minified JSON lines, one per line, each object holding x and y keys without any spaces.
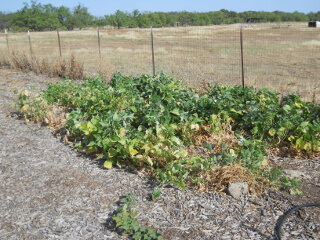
{"x":284,"y":57}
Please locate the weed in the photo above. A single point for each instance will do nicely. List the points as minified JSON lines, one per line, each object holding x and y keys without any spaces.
{"x":155,"y":194}
{"x":276,"y":178}
{"x":35,"y":109}
{"x":124,"y":218}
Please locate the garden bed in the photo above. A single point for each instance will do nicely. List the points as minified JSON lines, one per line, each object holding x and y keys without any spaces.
{"x":51,"y":191}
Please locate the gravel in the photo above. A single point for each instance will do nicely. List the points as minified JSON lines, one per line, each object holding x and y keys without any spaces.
{"x":49,"y":191}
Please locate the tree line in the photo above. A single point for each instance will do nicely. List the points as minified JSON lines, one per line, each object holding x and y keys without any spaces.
{"x":39,"y":17}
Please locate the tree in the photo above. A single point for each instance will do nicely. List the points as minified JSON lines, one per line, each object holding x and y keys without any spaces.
{"x":144,"y":20}
{"x":65,"y":17}
{"x":185,"y":18}
{"x":99,"y":21}
{"x":48,"y":17}
{"x":121,"y":19}
{"x":36,"y":17}
{"x":300,"y":17}
{"x":118,"y":20}
{"x":4,"y":21}
{"x":81,"y":17}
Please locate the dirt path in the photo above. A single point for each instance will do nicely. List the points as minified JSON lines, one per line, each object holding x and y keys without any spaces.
{"x":48,"y":191}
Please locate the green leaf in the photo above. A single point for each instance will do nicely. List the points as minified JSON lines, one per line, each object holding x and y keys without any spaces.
{"x":236,"y":111}
{"x":134,"y":109}
{"x":181,"y":184}
{"x":304,"y":124}
{"x":175,"y":112}
{"x":255,"y":130}
{"x":155,"y":194}
{"x":300,"y":143}
{"x":272,"y":132}
{"x":112,"y":153}
{"x":92,"y":143}
{"x":176,"y":140}
{"x":123,"y":141}
{"x":286,"y":108}
{"x":295,"y":191}
{"x":307,"y":146}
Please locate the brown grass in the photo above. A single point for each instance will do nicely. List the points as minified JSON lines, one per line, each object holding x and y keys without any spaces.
{"x":62,"y":67}
{"x":279,"y":57}
{"x":218,"y":179}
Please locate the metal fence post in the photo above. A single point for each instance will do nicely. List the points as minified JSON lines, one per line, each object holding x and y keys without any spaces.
{"x":31,"y":52}
{"x":5,"y":31}
{"x":99,"y":45}
{"x":152,"y":49}
{"x":59,"y":42}
{"x":242,"y":62}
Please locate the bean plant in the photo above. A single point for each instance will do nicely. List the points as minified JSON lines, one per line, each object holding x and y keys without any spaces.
{"x":151,"y":121}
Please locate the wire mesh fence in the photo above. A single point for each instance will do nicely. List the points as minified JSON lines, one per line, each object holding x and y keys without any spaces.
{"x":198,"y":54}
{"x":285,"y":57}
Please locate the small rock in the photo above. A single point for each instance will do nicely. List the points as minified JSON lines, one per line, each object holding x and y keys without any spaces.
{"x":237,"y":189}
{"x":293,"y":173}
{"x":95,"y":74}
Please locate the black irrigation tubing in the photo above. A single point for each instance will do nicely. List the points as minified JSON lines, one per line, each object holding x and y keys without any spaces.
{"x":287,"y":214}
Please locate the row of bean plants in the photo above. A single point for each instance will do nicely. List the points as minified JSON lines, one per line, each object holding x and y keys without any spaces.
{"x":151,"y":121}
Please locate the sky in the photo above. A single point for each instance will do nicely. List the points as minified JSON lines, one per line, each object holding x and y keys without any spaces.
{"x":103,"y":7}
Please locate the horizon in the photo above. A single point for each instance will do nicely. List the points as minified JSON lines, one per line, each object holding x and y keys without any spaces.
{"x":100,"y":8}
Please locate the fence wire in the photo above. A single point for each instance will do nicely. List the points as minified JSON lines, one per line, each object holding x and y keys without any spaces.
{"x":284,"y":57}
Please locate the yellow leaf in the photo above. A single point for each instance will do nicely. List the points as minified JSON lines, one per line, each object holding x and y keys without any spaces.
{"x":107,"y":164}
{"x":161,"y":137}
{"x":122,"y":132}
{"x":195,"y":126}
{"x":149,"y":161}
{"x":25,"y":108}
{"x":90,"y":127}
{"x":139,"y":156}
{"x":233,"y":153}
{"x":132,"y":151}
{"x":146,"y":148}
{"x":25,"y":93}
{"x":265,"y":162}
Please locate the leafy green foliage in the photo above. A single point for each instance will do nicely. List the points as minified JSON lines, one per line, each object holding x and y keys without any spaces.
{"x":181,"y":171}
{"x":152,"y":120}
{"x":35,"y":108}
{"x":125,"y":219}
{"x":276,"y":177}
{"x":40,"y":17}
{"x":263,"y":116}
{"x":48,"y":17}
{"x":155,"y":194}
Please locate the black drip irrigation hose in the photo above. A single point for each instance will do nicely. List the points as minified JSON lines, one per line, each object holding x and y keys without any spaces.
{"x":287,"y":214}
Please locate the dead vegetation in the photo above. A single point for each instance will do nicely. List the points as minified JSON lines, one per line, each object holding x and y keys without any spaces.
{"x":61,"y":67}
